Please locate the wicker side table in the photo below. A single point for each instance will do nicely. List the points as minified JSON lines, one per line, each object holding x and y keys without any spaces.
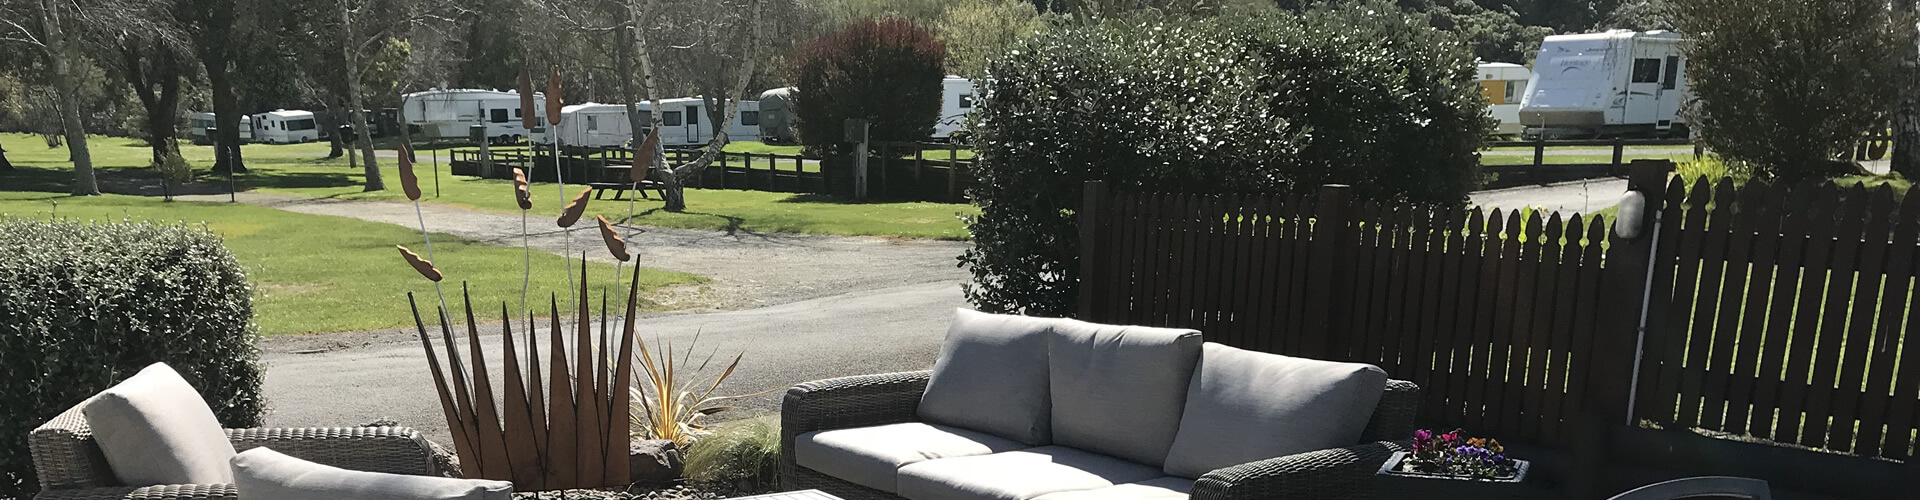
{"x":793,"y":495}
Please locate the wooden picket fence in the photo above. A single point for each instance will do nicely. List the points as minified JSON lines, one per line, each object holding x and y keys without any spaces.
{"x":1776,"y":313}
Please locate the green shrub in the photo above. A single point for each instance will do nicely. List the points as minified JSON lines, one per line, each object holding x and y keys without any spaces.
{"x":886,"y":71}
{"x":1364,"y":96}
{"x":742,"y":453}
{"x":85,"y":305}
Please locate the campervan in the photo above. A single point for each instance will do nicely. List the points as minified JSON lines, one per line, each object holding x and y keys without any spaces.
{"x":956,"y":100}
{"x":1503,"y":84}
{"x":746,"y":122}
{"x":683,"y":122}
{"x":1617,"y":83}
{"x":285,"y":127}
{"x":451,"y":113}
{"x":198,"y":123}
{"x":776,"y":116}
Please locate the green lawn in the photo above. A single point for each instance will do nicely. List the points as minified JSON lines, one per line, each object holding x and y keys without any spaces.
{"x":315,"y":273}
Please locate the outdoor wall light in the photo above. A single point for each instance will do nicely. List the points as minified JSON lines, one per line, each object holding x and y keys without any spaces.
{"x":1632,"y":214}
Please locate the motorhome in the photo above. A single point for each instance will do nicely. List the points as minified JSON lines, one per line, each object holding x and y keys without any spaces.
{"x":683,"y":122}
{"x":451,"y":113}
{"x":285,"y":127}
{"x":1612,"y":84}
{"x":1503,"y":84}
{"x":776,"y":116}
{"x":956,"y":100}
{"x":198,"y":123}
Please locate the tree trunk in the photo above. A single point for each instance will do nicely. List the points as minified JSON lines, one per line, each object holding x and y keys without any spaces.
{"x":356,"y":109}
{"x":675,"y":195}
{"x":336,"y":144}
{"x":5,"y":166}
{"x":162,"y":104}
{"x":226,"y":111}
{"x":1906,"y":107}
{"x":61,"y":53}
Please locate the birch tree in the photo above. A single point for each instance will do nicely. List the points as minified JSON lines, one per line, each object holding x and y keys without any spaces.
{"x":366,"y":27}
{"x":57,"y":30}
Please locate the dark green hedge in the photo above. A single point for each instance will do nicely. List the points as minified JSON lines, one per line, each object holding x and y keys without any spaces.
{"x":886,"y":71}
{"x":1360,"y":96}
{"x":84,"y":305}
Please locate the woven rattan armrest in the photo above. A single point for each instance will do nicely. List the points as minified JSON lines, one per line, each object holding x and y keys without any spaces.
{"x":847,"y":402}
{"x":163,"y":492}
{"x":392,"y":450}
{"x":1335,"y":473}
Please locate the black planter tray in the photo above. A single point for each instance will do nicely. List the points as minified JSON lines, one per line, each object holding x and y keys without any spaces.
{"x":1393,"y":483}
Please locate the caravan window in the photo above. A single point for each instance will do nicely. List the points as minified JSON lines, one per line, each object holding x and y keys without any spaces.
{"x":1646,"y":70}
{"x":516,"y":113}
{"x":670,"y":118}
{"x":306,"y":124}
{"x":693,"y":115}
{"x":1672,"y":76}
{"x":498,"y":115}
{"x":749,"y":117}
{"x":966,"y":101}
{"x":1516,"y":89}
{"x":593,"y":123}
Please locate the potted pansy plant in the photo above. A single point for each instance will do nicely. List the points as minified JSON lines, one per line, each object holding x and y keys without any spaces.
{"x":1451,"y":465}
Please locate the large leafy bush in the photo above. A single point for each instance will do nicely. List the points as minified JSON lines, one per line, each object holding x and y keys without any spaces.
{"x":1360,"y":96}
{"x":886,"y":71}
{"x":85,"y":305}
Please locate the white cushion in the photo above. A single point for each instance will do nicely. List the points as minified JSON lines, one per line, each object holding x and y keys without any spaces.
{"x":1017,"y":475}
{"x":872,"y":456}
{"x":154,"y":429}
{"x":264,"y":474}
{"x":1247,"y":406}
{"x":1119,"y":390}
{"x":992,"y":377}
{"x":1164,"y":488}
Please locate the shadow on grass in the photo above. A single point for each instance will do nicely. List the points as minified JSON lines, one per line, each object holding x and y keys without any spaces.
{"x":37,"y":179}
{"x":822,"y":198}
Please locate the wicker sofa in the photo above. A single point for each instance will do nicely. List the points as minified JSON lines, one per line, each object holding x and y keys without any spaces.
{"x":825,"y":414}
{"x":71,"y":465}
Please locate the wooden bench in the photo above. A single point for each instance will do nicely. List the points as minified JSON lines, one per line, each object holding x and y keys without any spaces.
{"x":620,"y":188}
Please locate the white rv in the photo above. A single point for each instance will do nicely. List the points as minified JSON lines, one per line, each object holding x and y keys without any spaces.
{"x":956,"y":100}
{"x":198,"y":123}
{"x":683,"y":122}
{"x":1503,"y":84}
{"x":746,"y":122}
{"x":776,"y":116}
{"x":592,"y":125}
{"x":285,"y":127}
{"x":449,"y":113}
{"x":1617,"y":83}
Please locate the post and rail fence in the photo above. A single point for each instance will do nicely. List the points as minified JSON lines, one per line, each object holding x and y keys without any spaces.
{"x":898,"y":171}
{"x":1773,"y":312}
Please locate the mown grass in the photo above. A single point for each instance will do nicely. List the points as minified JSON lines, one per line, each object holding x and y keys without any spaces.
{"x":316,"y":273}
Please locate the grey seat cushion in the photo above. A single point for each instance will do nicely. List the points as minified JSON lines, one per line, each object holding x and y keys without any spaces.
{"x":264,"y":474}
{"x":154,"y":429}
{"x":1018,"y":475}
{"x":1163,"y":488}
{"x":1246,"y":406}
{"x":992,"y":377}
{"x":1119,"y":390}
{"x":872,"y":456}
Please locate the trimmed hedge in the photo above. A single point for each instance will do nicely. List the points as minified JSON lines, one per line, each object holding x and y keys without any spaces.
{"x":83,"y":306}
{"x":1362,"y":96}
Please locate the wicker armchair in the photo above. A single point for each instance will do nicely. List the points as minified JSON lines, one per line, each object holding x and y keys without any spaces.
{"x":869,"y":400}
{"x":71,"y":466}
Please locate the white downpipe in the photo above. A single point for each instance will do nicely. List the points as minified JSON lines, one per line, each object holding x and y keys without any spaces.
{"x":1640,"y":331}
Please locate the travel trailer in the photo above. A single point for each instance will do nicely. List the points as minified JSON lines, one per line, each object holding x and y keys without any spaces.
{"x":450,"y":113}
{"x":956,"y":99}
{"x":1504,"y":84}
{"x":198,"y":123}
{"x":776,"y":117}
{"x":285,"y":127}
{"x":683,"y":122}
{"x":1617,"y":83}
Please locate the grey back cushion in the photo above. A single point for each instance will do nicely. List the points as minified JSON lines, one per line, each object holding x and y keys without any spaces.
{"x":1119,"y":390}
{"x":1245,"y":406}
{"x":264,"y":474}
{"x":154,"y":429}
{"x":992,"y":377}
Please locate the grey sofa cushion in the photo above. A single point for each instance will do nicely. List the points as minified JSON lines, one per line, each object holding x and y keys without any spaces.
{"x":992,"y":377}
{"x":872,"y":456}
{"x":1246,"y":406}
{"x":1163,"y":488}
{"x":1017,"y":475}
{"x":1119,"y":390}
{"x":154,"y":429}
{"x":264,"y":474}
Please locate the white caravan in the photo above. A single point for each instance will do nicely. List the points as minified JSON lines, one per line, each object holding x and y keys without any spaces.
{"x":683,"y":122}
{"x":956,"y":100}
{"x":450,"y":113}
{"x":1616,"y":83}
{"x":776,"y":116}
{"x":285,"y":127}
{"x":1503,"y":84}
{"x":198,"y":123}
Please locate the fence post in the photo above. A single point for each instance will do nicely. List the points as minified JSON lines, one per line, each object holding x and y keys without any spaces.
{"x":1327,"y":274}
{"x":953,"y":172}
{"x":1539,"y":159}
{"x":1094,"y":271}
{"x":1619,"y":151}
